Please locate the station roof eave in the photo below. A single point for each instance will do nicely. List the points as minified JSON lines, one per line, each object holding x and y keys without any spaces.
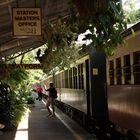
{"x":10,"y":46}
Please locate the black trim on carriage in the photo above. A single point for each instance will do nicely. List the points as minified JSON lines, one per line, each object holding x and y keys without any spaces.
{"x":128,"y":31}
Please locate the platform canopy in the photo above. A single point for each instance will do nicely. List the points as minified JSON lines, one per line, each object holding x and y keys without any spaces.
{"x":12,"y":46}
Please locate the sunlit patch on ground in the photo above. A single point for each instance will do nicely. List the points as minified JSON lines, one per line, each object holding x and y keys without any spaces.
{"x":22,"y":130}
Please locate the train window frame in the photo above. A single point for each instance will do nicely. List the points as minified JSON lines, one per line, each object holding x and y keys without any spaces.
{"x":127,"y":69}
{"x":70,"y":78}
{"x":75,"y":77}
{"x":136,"y":67}
{"x":66,"y":78}
{"x":80,"y":76}
{"x":118,"y":71}
{"x":63,"y":79}
{"x":111,"y":72}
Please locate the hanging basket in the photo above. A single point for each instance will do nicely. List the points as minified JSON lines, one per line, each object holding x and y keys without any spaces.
{"x":90,"y":7}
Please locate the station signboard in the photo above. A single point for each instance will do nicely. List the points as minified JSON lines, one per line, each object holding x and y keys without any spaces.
{"x":26,"y":22}
{"x":21,"y":66}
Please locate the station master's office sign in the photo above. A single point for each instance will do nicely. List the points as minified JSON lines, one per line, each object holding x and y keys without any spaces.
{"x":26,"y":22}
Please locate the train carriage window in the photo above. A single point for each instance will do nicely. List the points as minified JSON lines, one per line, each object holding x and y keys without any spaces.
{"x":111,"y":72}
{"x":136,"y":67}
{"x":66,"y":78}
{"x":75,"y":77}
{"x":127,"y":69}
{"x":70,"y":78}
{"x":118,"y":71}
{"x":58,"y":81}
{"x":75,"y":84}
{"x":80,"y":76}
{"x":63,"y":80}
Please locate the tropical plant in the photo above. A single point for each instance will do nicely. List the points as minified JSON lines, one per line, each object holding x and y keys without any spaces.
{"x":25,"y":58}
{"x":104,"y":33}
{"x":13,"y":97}
{"x":12,"y":106}
{"x":61,"y":48}
{"x":132,"y":14}
{"x":30,"y":100}
{"x":105,"y":27}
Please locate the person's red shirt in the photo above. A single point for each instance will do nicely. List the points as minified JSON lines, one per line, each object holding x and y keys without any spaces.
{"x":39,"y":89}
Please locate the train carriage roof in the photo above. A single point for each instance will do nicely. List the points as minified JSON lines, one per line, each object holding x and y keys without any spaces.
{"x":129,"y":31}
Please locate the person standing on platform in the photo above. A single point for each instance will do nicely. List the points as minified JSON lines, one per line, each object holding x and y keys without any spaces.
{"x":52,"y":95}
{"x":39,"y":90}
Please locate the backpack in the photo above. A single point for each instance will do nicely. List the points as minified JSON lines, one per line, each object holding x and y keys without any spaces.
{"x":53,"y":93}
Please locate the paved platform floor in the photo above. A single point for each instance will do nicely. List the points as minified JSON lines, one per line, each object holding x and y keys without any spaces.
{"x":37,"y":126}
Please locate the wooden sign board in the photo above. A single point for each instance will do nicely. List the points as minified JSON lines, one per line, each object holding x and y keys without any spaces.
{"x":21,"y":66}
{"x":26,"y":22}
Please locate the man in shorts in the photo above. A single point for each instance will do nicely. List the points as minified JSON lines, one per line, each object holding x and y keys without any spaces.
{"x":52,"y":95}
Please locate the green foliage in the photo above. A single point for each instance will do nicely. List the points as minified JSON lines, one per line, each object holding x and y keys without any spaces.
{"x":133,"y":15}
{"x":105,"y":28}
{"x":13,"y":76}
{"x":30,"y":100}
{"x":104,"y":33}
{"x":17,"y":76}
{"x":61,"y":49}
{"x":12,"y":106}
{"x":13,"y":96}
{"x":26,"y":58}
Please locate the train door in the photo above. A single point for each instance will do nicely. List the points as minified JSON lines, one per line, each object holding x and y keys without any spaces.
{"x":98,"y":86}
{"x":88,"y":88}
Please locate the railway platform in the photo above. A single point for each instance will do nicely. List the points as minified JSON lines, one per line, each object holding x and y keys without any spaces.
{"x":37,"y":126}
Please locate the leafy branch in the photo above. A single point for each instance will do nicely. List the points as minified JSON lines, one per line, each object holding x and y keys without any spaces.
{"x":104,"y":27}
{"x":61,"y":48}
